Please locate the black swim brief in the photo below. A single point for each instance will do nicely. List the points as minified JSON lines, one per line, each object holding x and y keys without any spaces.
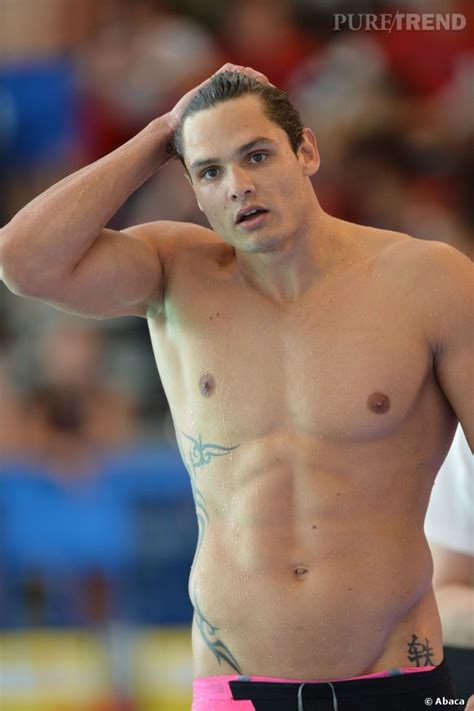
{"x":406,"y":692}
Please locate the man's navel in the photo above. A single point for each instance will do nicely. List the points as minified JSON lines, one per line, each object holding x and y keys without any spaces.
{"x":300,"y":571}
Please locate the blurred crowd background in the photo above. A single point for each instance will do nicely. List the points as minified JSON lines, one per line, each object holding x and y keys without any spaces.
{"x":95,"y":507}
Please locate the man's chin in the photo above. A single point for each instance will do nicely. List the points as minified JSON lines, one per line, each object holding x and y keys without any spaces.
{"x":257,"y":241}
{"x":262,"y":244}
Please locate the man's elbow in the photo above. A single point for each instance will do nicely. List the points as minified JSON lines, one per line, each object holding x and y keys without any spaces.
{"x":19,"y":282}
{"x":21,"y":275}
{"x":10,"y":264}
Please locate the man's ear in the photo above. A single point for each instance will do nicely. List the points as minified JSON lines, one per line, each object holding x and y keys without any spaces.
{"x":308,"y":153}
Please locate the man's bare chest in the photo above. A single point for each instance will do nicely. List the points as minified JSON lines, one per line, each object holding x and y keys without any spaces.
{"x":346,"y":358}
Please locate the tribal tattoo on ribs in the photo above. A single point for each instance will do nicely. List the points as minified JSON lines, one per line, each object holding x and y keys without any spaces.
{"x":199,"y":454}
{"x":208,"y":631}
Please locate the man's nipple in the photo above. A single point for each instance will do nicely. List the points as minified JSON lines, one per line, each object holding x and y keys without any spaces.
{"x":378,"y":402}
{"x":207,"y":384}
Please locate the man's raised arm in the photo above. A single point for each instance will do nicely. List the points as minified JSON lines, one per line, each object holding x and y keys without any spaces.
{"x":56,"y":248}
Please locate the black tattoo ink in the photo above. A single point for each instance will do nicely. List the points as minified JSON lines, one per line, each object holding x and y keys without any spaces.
{"x":217,"y":647}
{"x":199,"y":455}
{"x":419,"y":652}
{"x":201,"y":452}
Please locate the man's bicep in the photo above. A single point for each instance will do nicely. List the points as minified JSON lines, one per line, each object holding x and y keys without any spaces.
{"x":455,"y":375}
{"x":119,"y":276}
{"x":453,"y":315}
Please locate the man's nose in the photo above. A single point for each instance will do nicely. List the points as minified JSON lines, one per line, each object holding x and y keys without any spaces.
{"x":240,"y":184}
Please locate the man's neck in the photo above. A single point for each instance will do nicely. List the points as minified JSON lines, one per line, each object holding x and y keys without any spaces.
{"x":285,"y":273}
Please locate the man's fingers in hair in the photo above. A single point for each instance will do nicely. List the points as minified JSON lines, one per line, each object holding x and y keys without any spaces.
{"x":255,"y":74}
{"x":248,"y":71}
{"x":229,"y":68}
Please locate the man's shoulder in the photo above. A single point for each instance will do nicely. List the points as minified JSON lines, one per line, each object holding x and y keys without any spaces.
{"x":434,"y":281}
{"x":436,"y":277}
{"x":427,"y":254}
{"x":175,"y":240}
{"x":166,"y":234}
{"x":426,"y":262}
{"x":436,"y":267}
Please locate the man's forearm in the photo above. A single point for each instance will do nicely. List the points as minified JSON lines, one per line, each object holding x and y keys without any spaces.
{"x":49,"y":237}
{"x":456,"y":608}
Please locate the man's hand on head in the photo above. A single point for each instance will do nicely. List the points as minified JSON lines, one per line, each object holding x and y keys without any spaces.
{"x":174,"y":116}
{"x":248,"y":71}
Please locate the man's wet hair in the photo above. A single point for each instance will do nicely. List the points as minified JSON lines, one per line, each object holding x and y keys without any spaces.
{"x":225,"y":86}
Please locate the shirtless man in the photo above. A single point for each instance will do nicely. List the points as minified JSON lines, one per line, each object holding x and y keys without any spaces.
{"x":315,"y":370}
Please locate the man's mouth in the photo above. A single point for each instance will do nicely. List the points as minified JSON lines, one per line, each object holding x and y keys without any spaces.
{"x":251,"y":217}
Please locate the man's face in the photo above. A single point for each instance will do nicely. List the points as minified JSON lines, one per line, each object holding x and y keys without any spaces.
{"x":239,"y":160}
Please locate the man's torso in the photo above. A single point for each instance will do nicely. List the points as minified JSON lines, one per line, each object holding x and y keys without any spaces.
{"x":312,"y":432}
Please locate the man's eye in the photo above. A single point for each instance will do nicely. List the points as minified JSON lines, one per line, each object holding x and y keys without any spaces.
{"x":258,"y":157}
{"x":209,"y":173}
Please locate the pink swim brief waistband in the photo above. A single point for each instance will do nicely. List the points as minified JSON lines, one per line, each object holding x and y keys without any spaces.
{"x":217,"y":687}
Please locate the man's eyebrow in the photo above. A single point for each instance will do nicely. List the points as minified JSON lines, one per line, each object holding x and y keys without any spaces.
{"x":252,"y":144}
{"x":240,"y":151}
